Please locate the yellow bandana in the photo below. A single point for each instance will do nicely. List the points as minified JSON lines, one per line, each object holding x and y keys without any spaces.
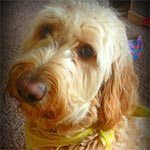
{"x":141,"y":111}
{"x":38,"y":139}
{"x":107,"y":137}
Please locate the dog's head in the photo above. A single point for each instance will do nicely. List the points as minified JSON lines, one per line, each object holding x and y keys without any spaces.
{"x":74,"y":63}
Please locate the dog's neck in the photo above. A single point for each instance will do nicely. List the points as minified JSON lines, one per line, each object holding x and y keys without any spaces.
{"x":41,"y":138}
{"x":76,"y":132}
{"x":38,"y":137}
{"x":88,"y":121}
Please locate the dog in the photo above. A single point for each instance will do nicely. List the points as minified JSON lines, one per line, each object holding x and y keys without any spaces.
{"x":75,"y":81}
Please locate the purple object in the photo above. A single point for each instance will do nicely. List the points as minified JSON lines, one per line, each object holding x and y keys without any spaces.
{"x":136,"y":47}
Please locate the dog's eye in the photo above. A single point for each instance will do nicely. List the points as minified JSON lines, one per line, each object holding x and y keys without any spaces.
{"x":46,"y":30}
{"x":86,"y":52}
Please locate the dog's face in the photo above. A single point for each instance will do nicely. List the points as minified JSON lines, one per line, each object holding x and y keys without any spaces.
{"x":74,"y":54}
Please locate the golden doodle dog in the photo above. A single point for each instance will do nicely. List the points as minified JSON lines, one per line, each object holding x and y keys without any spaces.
{"x":75,"y":82}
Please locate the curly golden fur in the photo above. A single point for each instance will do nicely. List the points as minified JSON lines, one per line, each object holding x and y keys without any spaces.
{"x":80,"y":52}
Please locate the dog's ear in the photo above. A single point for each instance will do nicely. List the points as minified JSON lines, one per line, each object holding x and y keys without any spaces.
{"x":119,"y":94}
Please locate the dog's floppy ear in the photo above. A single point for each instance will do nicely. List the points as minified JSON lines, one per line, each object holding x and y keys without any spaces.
{"x":119,"y":93}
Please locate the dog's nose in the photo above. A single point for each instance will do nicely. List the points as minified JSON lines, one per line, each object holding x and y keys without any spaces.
{"x":31,"y":90}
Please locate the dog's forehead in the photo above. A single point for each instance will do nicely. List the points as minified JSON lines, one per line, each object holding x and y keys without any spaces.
{"x":81,"y":23}
{"x":64,"y":23}
{"x":85,"y":13}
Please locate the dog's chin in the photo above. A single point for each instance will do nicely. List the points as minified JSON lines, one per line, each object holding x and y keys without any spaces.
{"x":42,"y":116}
{"x":48,"y":113}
